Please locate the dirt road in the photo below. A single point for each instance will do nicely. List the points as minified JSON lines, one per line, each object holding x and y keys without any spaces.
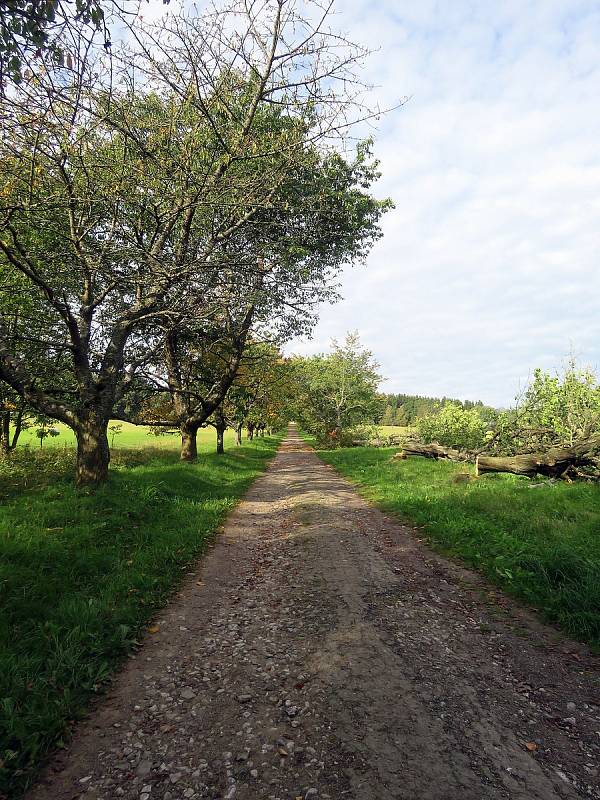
{"x":321,"y":651}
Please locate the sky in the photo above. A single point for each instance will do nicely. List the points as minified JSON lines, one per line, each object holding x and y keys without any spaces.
{"x":488,"y":266}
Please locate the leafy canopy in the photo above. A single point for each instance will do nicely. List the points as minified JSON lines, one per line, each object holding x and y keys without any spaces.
{"x":337,"y":391}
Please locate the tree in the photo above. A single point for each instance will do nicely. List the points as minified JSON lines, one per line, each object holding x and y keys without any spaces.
{"x":12,"y":420}
{"x":32,"y":30}
{"x":199,"y":374}
{"x":389,"y":415}
{"x":329,"y":221}
{"x":220,"y":423}
{"x":115,"y":430}
{"x":45,"y":430}
{"x":17,"y":305}
{"x":262,"y":394}
{"x":338,"y":391}
{"x":567,"y":403}
{"x":400,"y":417}
{"x":455,"y":427}
{"x":118,"y":199}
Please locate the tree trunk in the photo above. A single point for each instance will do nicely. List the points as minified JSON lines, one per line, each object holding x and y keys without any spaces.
{"x":432,"y":450}
{"x":18,"y":427}
{"x":552,"y":463}
{"x":250,"y":431}
{"x":189,"y":444}
{"x":337,"y":431}
{"x":93,"y":454}
{"x":220,"y":432}
{"x":5,"y":433}
{"x":238,"y":434}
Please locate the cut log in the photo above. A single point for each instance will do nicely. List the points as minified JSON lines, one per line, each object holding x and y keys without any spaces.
{"x":432,"y":450}
{"x":552,"y":463}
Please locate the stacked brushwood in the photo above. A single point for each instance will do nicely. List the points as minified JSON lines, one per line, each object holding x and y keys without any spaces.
{"x":578,"y":460}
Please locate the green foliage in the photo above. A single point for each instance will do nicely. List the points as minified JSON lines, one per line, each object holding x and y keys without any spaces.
{"x":81,"y":573}
{"x":406,"y":409}
{"x":556,"y":409}
{"x":337,"y":391}
{"x":32,"y":27}
{"x":116,"y":429}
{"x":541,"y":545}
{"x":188,"y":210}
{"x":454,"y":426}
{"x":262,"y":392}
{"x":567,"y":403}
{"x":45,"y":431}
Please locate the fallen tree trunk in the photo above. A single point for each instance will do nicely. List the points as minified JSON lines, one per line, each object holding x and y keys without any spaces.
{"x":553,"y":463}
{"x":432,"y":450}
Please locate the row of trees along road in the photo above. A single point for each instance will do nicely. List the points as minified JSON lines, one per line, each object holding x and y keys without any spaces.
{"x":166,"y":201}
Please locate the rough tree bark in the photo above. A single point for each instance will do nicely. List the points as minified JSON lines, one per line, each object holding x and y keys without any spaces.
{"x":552,"y":463}
{"x":220,"y":424}
{"x":93,"y":452}
{"x":189,"y":442}
{"x":432,"y":450}
{"x":17,"y":427}
{"x":5,"y":432}
{"x":220,"y":431}
{"x":238,"y":433}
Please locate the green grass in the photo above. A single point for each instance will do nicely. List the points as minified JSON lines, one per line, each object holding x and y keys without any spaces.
{"x":394,"y":430}
{"x":82,"y":573}
{"x":540,"y":544}
{"x":129,"y":436}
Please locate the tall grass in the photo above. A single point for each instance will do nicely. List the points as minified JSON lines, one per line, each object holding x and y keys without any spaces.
{"x":539,"y":542}
{"x":82,"y":573}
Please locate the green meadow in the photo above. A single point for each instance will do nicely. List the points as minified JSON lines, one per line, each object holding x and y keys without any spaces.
{"x":128,"y":436}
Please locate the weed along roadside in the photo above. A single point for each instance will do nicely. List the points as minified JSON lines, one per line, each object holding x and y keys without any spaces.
{"x":540,"y":544}
{"x":82,"y":573}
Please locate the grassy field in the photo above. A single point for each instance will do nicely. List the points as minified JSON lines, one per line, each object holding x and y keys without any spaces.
{"x":130,"y":436}
{"x":82,"y":573}
{"x":393,"y":430}
{"x":539,"y":542}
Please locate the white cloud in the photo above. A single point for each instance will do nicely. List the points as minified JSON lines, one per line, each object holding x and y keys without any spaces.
{"x":489,"y":264}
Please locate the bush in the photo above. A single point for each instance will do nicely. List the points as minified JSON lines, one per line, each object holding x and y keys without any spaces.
{"x":453,"y":426}
{"x":567,"y":403}
{"x":555,"y":410}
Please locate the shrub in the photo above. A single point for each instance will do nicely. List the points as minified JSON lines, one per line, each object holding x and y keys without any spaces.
{"x":453,"y":426}
{"x":568,"y":404}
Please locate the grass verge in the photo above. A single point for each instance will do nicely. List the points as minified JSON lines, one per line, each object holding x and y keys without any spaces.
{"x":82,"y":573}
{"x":540,"y":543}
